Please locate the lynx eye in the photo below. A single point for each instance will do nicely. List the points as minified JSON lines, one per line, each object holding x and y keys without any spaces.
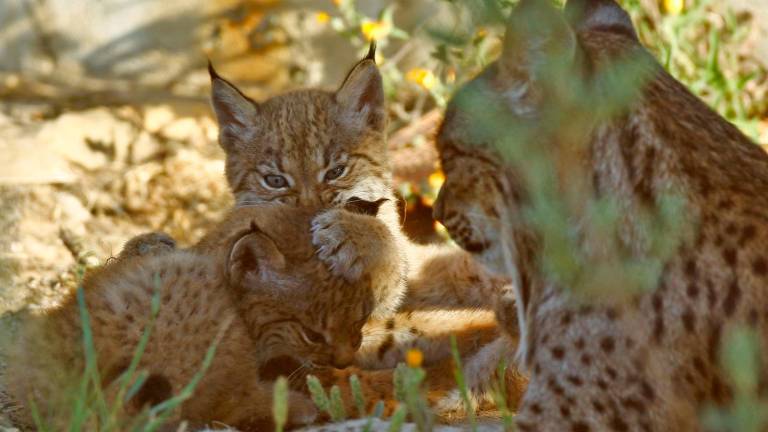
{"x":312,"y":336}
{"x":275,"y":181}
{"x":335,"y":172}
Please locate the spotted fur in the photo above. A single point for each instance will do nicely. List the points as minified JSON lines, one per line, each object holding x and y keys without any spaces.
{"x":329,"y":148}
{"x":650,"y":364}
{"x":278,"y":309}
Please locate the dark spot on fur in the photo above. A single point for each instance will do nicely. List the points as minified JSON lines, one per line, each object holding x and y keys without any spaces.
{"x":731,"y":298}
{"x":711,"y":295}
{"x":586,"y":359}
{"x":607,"y":344}
{"x":600,"y":408}
{"x":731,"y":228}
{"x":748,"y":232}
{"x":718,"y":391}
{"x":386,"y":345}
{"x":558,"y":352}
{"x":698,"y":364}
{"x":573,"y":379}
{"x":155,"y":389}
{"x":619,"y":425}
{"x":647,"y":391}
{"x":629,"y":343}
{"x":536,"y":408}
{"x":725,"y":204}
{"x":693,"y":290}
{"x":579,"y":344}
{"x":688,"y":320}
{"x":752,"y":317}
{"x":524,"y":427}
{"x":729,"y":255}
{"x":390,"y":324}
{"x":759,"y":266}
{"x":566,"y":319}
{"x":555,"y":387}
{"x":612,"y":374}
{"x":713,"y":344}
{"x":633,"y":404}
{"x":565,"y":411}
{"x":602,"y":384}
{"x":579,"y":427}
{"x":690,"y":269}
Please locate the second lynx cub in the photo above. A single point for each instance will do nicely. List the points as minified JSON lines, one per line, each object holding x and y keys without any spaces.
{"x":273,"y":304}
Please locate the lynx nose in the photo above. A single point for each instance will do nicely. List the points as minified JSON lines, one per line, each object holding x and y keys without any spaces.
{"x":343,"y":357}
{"x":438,"y":207}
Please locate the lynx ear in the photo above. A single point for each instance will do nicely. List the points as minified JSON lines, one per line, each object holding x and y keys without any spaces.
{"x":251,"y":259}
{"x":235,"y":112}
{"x":599,"y":14}
{"x":536,"y":33}
{"x":361,"y":96}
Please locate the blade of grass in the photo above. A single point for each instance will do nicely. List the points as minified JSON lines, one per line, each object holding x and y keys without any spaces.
{"x":458,"y":374}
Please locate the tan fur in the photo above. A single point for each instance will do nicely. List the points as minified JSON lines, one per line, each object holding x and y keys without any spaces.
{"x":276,"y":304}
{"x":304,"y":135}
{"x":652,"y":363}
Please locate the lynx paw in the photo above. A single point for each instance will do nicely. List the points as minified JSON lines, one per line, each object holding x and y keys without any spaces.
{"x":154,"y":243}
{"x":337,"y":247}
{"x":301,"y":410}
{"x":480,"y":376}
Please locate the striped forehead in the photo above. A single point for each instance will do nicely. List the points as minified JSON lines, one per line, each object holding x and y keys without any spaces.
{"x":302,"y":128}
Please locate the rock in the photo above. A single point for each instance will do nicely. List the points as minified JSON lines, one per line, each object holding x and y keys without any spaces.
{"x":90,"y":139}
{"x":25,"y":160}
{"x":71,"y":212}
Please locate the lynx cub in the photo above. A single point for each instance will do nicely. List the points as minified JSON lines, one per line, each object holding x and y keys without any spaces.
{"x":260,"y":286}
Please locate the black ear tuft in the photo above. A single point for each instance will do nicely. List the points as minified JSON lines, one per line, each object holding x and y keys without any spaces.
{"x":212,"y":72}
{"x":605,"y":15}
{"x":371,"y":52}
{"x":360,"y":206}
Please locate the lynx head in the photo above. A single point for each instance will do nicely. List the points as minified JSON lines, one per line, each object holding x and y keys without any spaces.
{"x":308,"y":147}
{"x":480,"y":202}
{"x":298,"y":314}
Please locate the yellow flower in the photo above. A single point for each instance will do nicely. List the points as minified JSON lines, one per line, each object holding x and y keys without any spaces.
{"x":375,"y":29}
{"x":423,"y":77}
{"x":674,"y":7}
{"x":428,"y":200}
{"x":336,"y":2}
{"x":436,"y":180}
{"x":440,"y":229}
{"x":322,"y":17}
{"x":414,"y":357}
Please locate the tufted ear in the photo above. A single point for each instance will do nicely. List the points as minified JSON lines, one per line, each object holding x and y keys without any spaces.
{"x":606,"y":15}
{"x":252,"y":258}
{"x":361,"y":96}
{"x":536,"y":33}
{"x":235,"y":112}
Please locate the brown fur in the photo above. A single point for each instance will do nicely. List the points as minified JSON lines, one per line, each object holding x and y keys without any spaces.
{"x":303,"y":136}
{"x":652,"y":363}
{"x":277,"y":305}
